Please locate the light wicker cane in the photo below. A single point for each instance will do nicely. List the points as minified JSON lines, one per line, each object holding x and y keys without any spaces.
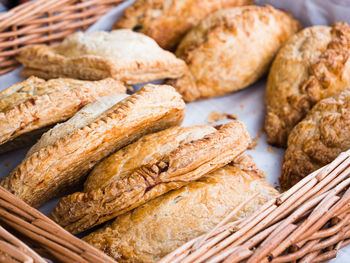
{"x":308,"y":223}
{"x":35,"y":226}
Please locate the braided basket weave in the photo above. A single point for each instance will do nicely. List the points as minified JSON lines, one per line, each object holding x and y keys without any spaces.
{"x":45,"y":21}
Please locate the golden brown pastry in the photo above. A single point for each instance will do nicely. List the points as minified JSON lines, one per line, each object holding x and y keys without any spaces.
{"x":167,"y":21}
{"x":122,"y":54}
{"x":175,"y":158}
{"x":313,"y":65}
{"x":153,"y":230}
{"x":34,"y":104}
{"x":63,"y":158}
{"x":318,"y":139}
{"x":231,"y":49}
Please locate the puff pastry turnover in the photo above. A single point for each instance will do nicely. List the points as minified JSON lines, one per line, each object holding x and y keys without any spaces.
{"x":153,"y":230}
{"x":63,"y":158}
{"x":129,"y":178}
{"x":167,"y":21}
{"x":318,"y":139}
{"x":313,"y":65}
{"x":28,"y":107}
{"x":231,"y":49}
{"x":122,"y":54}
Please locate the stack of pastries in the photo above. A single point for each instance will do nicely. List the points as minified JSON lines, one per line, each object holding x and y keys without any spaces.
{"x":124,"y":163}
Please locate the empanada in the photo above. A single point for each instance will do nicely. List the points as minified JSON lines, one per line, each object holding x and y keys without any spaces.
{"x":150,"y":167}
{"x":231,"y":49}
{"x":313,"y":65}
{"x":153,"y":230}
{"x":318,"y":139}
{"x":63,"y":158}
{"x":30,"y":106}
{"x":167,"y":21}
{"x":121,"y":54}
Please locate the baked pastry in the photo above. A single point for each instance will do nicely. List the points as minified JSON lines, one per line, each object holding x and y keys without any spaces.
{"x":122,"y":54}
{"x":313,"y":65}
{"x":318,"y":139}
{"x":64,"y":158}
{"x":153,"y":230}
{"x":29,"y":107}
{"x":214,"y":50}
{"x":167,"y":21}
{"x":130,"y":178}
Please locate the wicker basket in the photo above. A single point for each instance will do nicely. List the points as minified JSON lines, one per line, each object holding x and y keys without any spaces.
{"x":308,"y":223}
{"x":45,"y":21}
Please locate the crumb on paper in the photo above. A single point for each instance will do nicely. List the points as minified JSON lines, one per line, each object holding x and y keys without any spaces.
{"x":215,"y":116}
{"x":254,"y":142}
{"x":241,"y":106}
{"x":270,"y":149}
{"x":7,"y":164}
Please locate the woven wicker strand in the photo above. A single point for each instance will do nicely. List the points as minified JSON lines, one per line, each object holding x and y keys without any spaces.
{"x":45,"y":21}
{"x":309,"y":223}
{"x":14,"y":250}
{"x":38,"y":228}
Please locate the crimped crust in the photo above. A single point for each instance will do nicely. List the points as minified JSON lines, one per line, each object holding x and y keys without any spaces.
{"x":313,"y":65}
{"x":184,"y":164}
{"x":158,"y":227}
{"x":56,"y":168}
{"x":213,"y":50}
{"x":161,"y":21}
{"x":318,"y":139}
{"x":122,"y":54}
{"x":142,"y":152}
{"x":35,"y":103}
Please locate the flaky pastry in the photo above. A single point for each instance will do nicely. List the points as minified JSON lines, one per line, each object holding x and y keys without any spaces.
{"x":313,"y":65}
{"x":167,"y":21}
{"x":28,"y":107}
{"x":318,"y":139}
{"x":167,"y":160}
{"x":121,"y":54}
{"x":231,"y":49}
{"x":158,"y":227}
{"x":58,"y":165}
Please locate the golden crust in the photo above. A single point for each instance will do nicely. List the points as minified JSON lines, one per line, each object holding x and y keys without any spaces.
{"x":35,"y":103}
{"x":168,"y":21}
{"x":213,"y":50}
{"x":318,"y":139}
{"x":58,"y":167}
{"x":153,"y":230}
{"x":145,"y":150}
{"x":174,"y":168}
{"x":313,"y":65}
{"x":121,"y":54}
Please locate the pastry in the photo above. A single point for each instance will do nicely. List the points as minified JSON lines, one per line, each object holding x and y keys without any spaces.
{"x":122,"y":54}
{"x":153,"y":230}
{"x":29,"y":107}
{"x":169,"y":160}
{"x":318,"y":139}
{"x":313,"y":65}
{"x":65,"y":157}
{"x":231,"y":49}
{"x":167,"y":21}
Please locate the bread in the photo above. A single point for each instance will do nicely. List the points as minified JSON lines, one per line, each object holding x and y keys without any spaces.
{"x":318,"y":139}
{"x":231,"y":49}
{"x":153,"y":230}
{"x":59,"y":165}
{"x":175,"y":156}
{"x":168,"y":21}
{"x":313,"y":65}
{"x":28,"y":108}
{"x":121,"y":54}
